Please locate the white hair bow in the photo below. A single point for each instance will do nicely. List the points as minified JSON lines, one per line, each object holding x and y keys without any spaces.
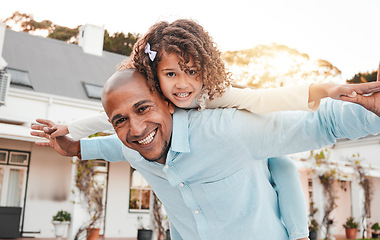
{"x":151,"y":53}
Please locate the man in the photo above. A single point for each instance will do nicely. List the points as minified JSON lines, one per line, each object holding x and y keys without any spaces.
{"x":209,"y":168}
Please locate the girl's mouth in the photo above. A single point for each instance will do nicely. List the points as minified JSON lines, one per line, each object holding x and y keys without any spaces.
{"x":182,"y":94}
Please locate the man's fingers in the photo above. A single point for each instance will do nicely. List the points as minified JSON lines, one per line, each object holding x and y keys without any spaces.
{"x":39,"y":134}
{"x":37,"y":127}
{"x":365,"y":88}
{"x":378,"y":73}
{"x":45,"y":122}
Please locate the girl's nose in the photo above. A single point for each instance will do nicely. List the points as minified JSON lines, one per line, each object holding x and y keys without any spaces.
{"x":181,"y":82}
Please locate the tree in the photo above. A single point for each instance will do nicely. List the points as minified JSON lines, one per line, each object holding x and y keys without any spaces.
{"x":363,"y":77}
{"x":120,"y":43}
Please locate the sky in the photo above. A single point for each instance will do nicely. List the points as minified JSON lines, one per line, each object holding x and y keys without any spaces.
{"x":343,"y":32}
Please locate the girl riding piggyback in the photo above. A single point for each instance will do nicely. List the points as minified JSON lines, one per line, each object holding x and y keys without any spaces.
{"x":180,"y":60}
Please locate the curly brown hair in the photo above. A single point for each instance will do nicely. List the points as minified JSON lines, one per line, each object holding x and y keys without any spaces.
{"x":187,"y":39}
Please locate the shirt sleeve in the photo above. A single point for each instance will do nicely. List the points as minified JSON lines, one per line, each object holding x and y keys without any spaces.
{"x":264,"y":101}
{"x":283,"y":133}
{"x":108,"y":148}
{"x":89,"y":125}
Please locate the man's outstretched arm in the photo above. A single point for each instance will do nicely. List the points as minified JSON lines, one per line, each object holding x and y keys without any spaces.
{"x":108,"y":148}
{"x":63,"y":144}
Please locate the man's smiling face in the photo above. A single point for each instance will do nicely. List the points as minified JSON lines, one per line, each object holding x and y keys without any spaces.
{"x":141,"y":119}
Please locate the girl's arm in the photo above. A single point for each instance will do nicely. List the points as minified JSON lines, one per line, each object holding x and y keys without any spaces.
{"x":89,"y":125}
{"x":264,"y":101}
{"x":302,"y":97}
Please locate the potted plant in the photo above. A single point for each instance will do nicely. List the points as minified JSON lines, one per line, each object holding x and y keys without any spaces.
{"x":351,"y":228}
{"x":60,"y":221}
{"x":375,"y":230}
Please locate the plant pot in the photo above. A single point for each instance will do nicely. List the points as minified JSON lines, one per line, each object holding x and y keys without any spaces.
{"x":375,"y":235}
{"x":144,"y":234}
{"x":313,"y":235}
{"x":351,"y":233}
{"x":60,"y":228}
{"x":10,"y":222}
{"x":168,"y":235}
{"x":93,"y":233}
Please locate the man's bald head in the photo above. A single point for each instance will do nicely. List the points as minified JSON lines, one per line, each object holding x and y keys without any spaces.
{"x":119,"y":79}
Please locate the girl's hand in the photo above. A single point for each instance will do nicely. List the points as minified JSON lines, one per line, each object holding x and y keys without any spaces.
{"x":59,"y":130}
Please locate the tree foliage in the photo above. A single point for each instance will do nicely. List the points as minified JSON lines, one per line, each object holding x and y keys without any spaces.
{"x":363,"y":77}
{"x":119,"y":42}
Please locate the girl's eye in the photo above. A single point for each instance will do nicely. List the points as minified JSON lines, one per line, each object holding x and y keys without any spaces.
{"x":192,"y":72}
{"x":170,"y":74}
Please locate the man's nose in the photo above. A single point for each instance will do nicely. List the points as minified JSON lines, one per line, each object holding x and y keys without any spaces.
{"x":137,"y":127}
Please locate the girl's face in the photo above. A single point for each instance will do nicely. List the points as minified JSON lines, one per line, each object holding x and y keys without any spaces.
{"x":178,"y":86}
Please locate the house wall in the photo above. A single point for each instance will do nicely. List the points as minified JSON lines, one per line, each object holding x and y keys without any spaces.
{"x":343,"y":202}
{"x":48,"y":186}
{"x":120,"y":222}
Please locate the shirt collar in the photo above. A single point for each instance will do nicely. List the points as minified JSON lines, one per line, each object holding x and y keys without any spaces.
{"x":180,"y":134}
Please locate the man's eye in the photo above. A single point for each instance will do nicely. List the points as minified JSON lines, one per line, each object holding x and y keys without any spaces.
{"x":120,"y":121}
{"x":142,"y":109}
{"x":170,"y":74}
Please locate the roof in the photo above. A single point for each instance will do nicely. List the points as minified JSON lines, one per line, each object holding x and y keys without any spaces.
{"x":56,"y":67}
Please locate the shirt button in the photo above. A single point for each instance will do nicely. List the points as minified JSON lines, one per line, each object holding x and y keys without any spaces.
{"x":196,"y":211}
{"x":181,"y":184}
{"x":166,"y":166}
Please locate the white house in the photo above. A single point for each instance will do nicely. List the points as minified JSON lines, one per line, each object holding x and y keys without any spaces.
{"x":62,"y":82}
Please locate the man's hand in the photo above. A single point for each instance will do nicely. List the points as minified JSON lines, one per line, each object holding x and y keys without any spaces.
{"x":63,"y":145}
{"x":370,"y":102}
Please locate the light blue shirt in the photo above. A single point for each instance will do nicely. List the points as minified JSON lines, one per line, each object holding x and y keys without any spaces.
{"x":216,"y":183}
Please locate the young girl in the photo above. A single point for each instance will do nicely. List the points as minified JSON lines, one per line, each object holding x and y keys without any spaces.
{"x":181,"y":60}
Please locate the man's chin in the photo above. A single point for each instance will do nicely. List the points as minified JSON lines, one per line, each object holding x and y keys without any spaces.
{"x":161,"y":156}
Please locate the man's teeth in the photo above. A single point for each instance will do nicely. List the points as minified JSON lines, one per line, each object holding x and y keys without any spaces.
{"x":148,"y":139}
{"x":183,"y":94}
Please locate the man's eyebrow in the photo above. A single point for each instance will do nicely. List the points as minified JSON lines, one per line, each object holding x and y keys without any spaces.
{"x":138,"y":104}
{"x":114,"y":118}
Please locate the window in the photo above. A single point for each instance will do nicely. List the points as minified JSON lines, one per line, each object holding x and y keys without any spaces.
{"x":19,"y":158}
{"x":19,"y":77}
{"x":13,"y":174}
{"x":140,"y":192}
{"x":3,"y":156}
{"x":93,"y":91}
